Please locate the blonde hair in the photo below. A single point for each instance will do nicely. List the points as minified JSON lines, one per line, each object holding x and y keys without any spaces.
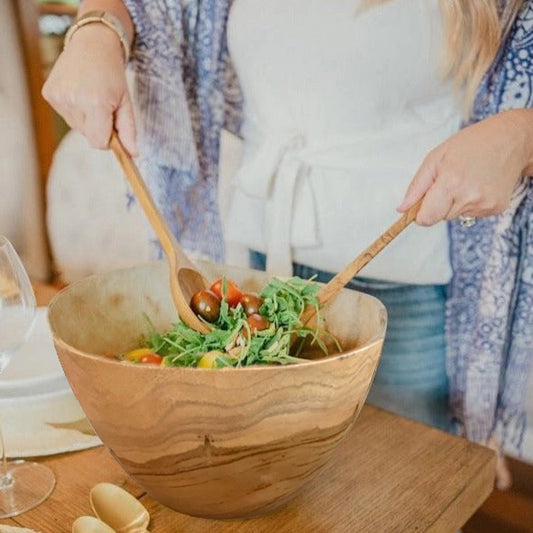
{"x":474,"y":30}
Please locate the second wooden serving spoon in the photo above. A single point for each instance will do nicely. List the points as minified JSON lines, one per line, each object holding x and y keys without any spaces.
{"x":185,"y":280}
{"x":119,"y":509}
{"x":331,"y":289}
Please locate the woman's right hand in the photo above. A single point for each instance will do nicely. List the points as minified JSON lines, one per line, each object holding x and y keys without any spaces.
{"x":88,"y":88}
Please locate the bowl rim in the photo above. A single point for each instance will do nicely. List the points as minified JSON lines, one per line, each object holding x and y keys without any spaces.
{"x":59,"y":342}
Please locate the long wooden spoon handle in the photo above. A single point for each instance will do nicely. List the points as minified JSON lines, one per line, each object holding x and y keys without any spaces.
{"x":166,"y":238}
{"x":352,"y":269}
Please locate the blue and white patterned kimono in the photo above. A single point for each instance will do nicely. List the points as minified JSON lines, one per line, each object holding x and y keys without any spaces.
{"x":187,"y":93}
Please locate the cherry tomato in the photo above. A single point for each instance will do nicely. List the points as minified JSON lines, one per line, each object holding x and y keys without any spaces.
{"x":257,"y":322}
{"x":151,"y":358}
{"x":209,"y":359}
{"x":233,"y":294}
{"x":206,"y":304}
{"x":136,"y":355}
{"x":251,"y":303}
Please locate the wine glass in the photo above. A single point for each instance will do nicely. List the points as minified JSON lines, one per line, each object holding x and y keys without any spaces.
{"x":23,"y":485}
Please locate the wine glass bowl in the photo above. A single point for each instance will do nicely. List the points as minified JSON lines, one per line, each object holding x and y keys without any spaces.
{"x":17,"y":303}
{"x":23,"y":485}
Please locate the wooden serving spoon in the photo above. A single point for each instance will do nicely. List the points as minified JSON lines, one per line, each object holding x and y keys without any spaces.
{"x":185,"y":280}
{"x":329,"y":291}
{"x":119,"y":509}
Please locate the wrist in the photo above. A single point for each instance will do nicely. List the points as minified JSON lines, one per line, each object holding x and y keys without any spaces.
{"x":97,"y":34}
{"x":95,"y":42}
{"x":114,"y":7}
{"x":101,"y":19}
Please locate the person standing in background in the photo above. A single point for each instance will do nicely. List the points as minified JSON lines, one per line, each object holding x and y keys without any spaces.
{"x":342,"y":104}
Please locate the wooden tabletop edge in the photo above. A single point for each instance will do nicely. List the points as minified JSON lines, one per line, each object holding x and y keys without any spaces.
{"x":476,"y":491}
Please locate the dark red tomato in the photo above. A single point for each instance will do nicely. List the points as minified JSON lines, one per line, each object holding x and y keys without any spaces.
{"x":257,"y":322}
{"x":233,"y":294}
{"x":206,"y":304}
{"x":251,"y":303}
{"x":151,"y":358}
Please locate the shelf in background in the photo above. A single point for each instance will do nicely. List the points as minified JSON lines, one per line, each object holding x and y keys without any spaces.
{"x":57,"y":8}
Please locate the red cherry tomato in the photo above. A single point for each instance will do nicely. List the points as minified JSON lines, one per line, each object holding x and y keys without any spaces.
{"x":151,"y":358}
{"x":251,"y":303}
{"x":257,"y":322}
{"x":233,"y":294}
{"x":206,"y":304}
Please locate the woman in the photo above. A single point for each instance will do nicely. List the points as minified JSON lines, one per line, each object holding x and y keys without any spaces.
{"x":342,"y":101}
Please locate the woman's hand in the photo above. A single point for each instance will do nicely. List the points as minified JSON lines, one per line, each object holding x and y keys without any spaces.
{"x":474,"y":172}
{"x":87,"y":87}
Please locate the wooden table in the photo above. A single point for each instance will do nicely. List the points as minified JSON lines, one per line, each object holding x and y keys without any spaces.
{"x":389,"y":475}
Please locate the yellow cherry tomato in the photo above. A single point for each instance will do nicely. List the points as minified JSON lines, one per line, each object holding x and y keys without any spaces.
{"x":209,"y":359}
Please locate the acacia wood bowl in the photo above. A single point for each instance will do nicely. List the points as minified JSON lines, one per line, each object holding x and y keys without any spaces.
{"x":219,"y":443}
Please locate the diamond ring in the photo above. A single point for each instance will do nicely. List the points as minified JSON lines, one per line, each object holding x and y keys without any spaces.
{"x":466,"y":221}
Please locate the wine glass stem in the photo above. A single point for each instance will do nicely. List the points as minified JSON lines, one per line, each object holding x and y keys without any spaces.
{"x":5,"y":479}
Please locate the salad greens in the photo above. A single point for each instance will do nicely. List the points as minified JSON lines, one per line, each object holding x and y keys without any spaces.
{"x":233,"y":343}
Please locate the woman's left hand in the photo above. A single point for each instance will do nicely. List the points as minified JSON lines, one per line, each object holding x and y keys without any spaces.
{"x":474,"y":172}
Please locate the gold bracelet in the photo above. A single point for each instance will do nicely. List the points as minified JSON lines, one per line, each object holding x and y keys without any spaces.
{"x":101,"y":17}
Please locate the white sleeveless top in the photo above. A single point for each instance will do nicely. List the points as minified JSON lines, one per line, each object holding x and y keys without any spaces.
{"x":341,"y":107}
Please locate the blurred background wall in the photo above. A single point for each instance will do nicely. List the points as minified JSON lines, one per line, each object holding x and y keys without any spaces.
{"x":26,"y":138}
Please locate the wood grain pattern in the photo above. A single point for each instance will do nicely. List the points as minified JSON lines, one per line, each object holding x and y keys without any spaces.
{"x":390,"y":475}
{"x":218,"y":443}
{"x":70,"y":497}
{"x":58,"y":9}
{"x":337,"y":283}
{"x":184,"y":278}
{"x":510,"y":510}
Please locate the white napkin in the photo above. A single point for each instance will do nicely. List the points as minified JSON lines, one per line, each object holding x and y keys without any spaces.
{"x":39,"y":413}
{"x":55,"y":425}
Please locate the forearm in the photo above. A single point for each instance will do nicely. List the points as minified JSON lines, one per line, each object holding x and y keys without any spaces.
{"x":87,"y":85}
{"x":523,"y":119}
{"x":115,"y":7}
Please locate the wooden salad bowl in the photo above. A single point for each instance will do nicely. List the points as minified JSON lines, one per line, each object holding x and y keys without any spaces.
{"x":219,"y":443}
